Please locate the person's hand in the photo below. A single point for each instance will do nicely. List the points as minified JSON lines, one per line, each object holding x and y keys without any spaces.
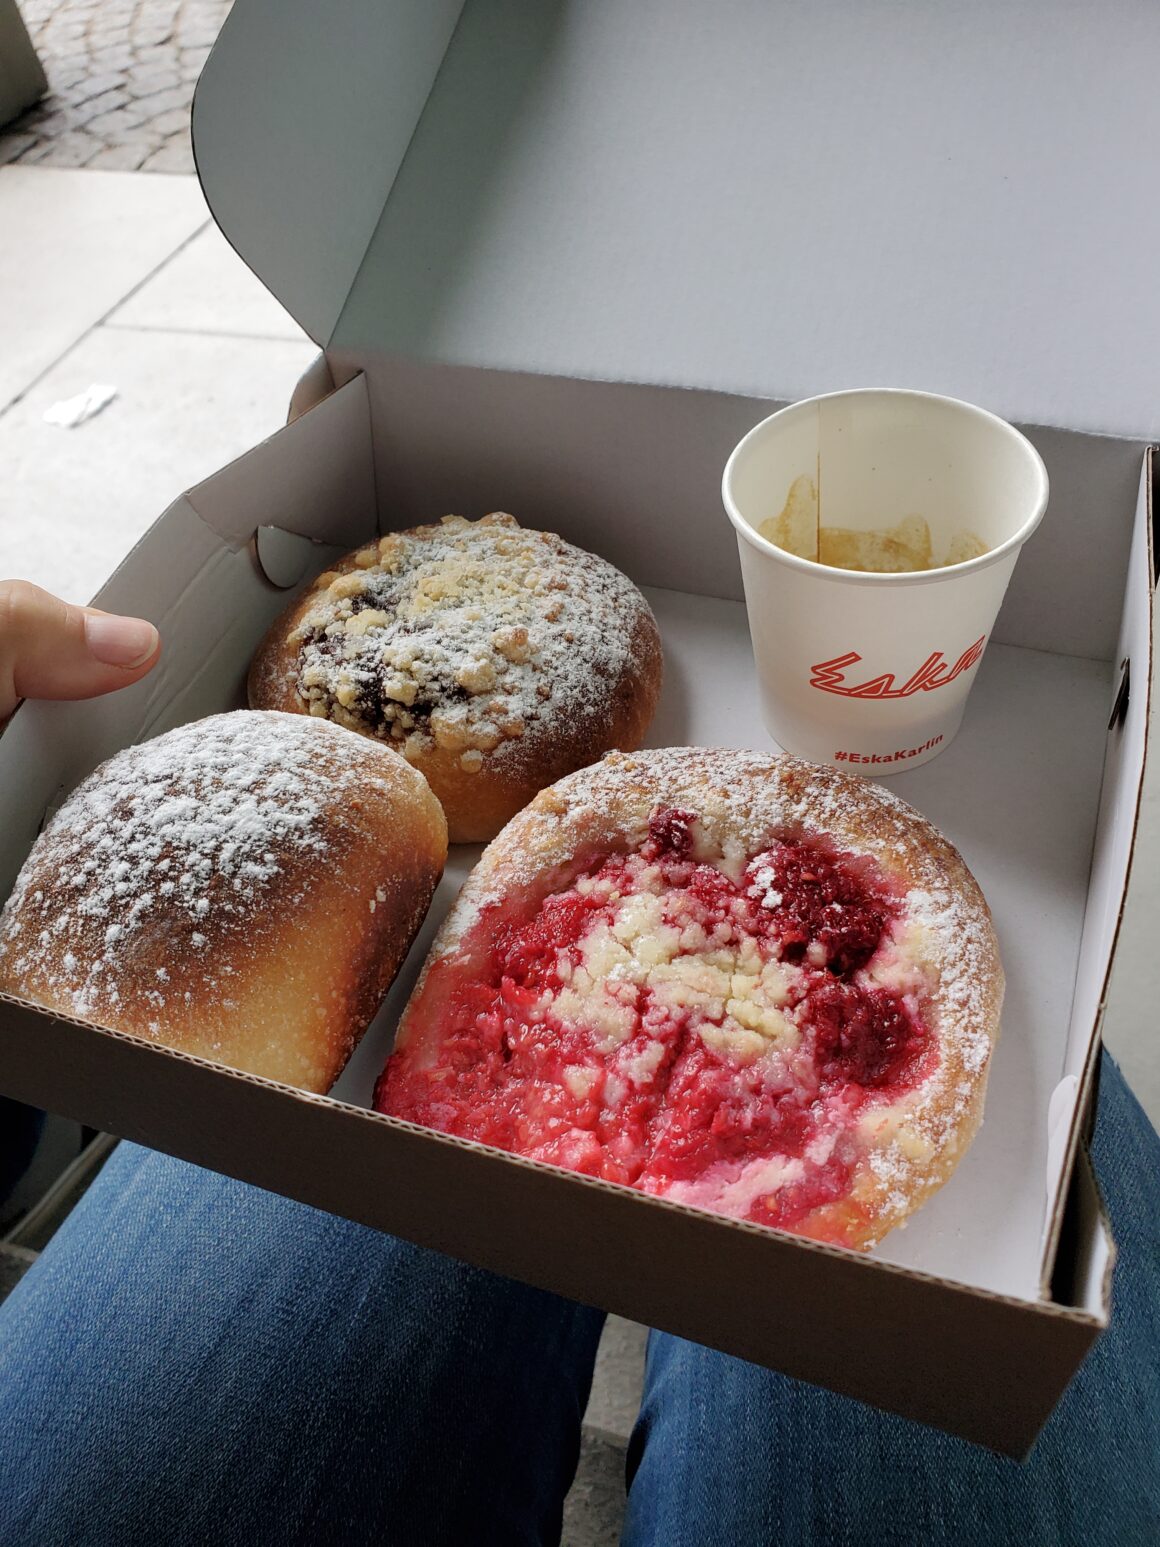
{"x":51,"y":649}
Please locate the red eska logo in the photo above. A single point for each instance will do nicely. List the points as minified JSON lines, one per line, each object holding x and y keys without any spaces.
{"x":935,"y":672}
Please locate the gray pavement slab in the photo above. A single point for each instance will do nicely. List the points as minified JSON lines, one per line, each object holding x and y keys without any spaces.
{"x":120,"y":78}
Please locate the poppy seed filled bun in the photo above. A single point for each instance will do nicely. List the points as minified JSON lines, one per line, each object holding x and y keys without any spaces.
{"x":493,"y":658}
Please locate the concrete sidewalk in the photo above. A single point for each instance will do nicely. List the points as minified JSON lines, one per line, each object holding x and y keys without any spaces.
{"x":123,"y":279}
{"x":121,"y":75}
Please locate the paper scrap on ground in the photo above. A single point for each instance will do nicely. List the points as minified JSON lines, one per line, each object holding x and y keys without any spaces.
{"x":886,"y":550}
{"x":71,"y":411}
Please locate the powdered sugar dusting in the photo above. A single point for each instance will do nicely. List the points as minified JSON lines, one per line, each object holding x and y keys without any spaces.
{"x":478,"y":638}
{"x":742,"y":798}
{"x":185,"y":834}
{"x":946,"y":916}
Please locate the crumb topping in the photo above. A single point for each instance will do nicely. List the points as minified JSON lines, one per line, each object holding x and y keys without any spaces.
{"x":468,"y":636}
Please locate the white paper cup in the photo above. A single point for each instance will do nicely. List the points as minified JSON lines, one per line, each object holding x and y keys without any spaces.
{"x":872,"y":671}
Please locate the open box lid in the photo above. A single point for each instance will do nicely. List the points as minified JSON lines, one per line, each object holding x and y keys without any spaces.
{"x":772,"y":199}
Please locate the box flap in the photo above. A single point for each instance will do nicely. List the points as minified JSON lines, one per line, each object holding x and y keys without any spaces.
{"x":1129,"y":704}
{"x":302,"y":118}
{"x":768,"y":199}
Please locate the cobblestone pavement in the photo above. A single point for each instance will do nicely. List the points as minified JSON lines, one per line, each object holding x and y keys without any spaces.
{"x":121,"y":75}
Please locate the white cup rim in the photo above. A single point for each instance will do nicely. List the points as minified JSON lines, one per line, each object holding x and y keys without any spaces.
{"x":874,"y":577}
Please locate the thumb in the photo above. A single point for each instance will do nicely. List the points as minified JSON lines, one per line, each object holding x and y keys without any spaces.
{"x":51,"y":649}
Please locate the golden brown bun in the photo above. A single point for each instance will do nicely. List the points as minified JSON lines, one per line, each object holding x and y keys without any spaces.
{"x":944,"y":953}
{"x":244,"y":888}
{"x":493,"y":658}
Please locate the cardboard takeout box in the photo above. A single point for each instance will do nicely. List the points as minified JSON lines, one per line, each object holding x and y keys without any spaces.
{"x":560,"y":257}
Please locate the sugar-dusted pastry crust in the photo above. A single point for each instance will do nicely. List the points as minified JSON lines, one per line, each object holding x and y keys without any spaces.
{"x":736,"y":980}
{"x":494,"y":658}
{"x":244,"y":887}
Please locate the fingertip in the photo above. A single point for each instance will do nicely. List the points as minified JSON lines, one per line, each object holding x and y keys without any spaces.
{"x":117,"y":641}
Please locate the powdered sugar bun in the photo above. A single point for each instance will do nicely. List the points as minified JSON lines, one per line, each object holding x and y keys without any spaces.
{"x":494,"y":658}
{"x":244,"y":887}
{"x":738,"y":980}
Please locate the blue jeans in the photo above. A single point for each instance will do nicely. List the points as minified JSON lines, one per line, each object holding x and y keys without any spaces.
{"x":194,"y":1363}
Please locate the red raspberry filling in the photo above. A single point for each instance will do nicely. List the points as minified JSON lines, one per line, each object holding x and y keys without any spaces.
{"x":863,"y":1035}
{"x":653,"y":1075}
{"x":832,"y":906}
